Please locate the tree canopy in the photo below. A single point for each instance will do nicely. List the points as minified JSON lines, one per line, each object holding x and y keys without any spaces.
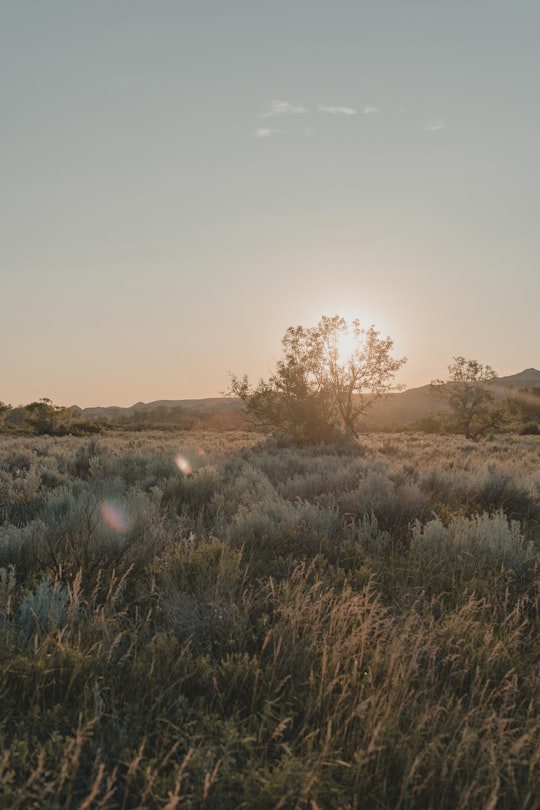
{"x":326,"y":381}
{"x":472,"y":404}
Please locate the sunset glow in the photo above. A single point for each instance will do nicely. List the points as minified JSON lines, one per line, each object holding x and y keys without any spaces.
{"x":176,"y":196}
{"x":346,"y":345}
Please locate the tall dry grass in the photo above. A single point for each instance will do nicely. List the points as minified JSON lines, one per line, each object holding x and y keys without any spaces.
{"x":251,"y":637}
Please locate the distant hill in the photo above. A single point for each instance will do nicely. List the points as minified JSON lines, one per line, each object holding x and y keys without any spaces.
{"x":214,"y":413}
{"x":529,"y":378}
{"x":211,"y":404}
{"x":401,"y":408}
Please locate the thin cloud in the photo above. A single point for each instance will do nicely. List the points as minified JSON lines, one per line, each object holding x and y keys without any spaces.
{"x":266,"y":132}
{"x":435,"y":124}
{"x":283,"y":108}
{"x":369,"y":110}
{"x":336,"y":110}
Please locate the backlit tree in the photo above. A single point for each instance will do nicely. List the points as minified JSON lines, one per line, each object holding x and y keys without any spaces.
{"x":326,"y":381}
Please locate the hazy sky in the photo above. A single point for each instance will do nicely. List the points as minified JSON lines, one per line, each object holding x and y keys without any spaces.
{"x":182,"y":180}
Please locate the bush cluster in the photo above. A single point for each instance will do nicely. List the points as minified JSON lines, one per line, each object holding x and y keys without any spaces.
{"x":207,"y":621}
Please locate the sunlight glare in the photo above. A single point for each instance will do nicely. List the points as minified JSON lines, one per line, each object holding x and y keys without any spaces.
{"x":346,"y":344}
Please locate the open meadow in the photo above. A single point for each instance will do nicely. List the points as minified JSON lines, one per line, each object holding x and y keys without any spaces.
{"x":212,"y":620}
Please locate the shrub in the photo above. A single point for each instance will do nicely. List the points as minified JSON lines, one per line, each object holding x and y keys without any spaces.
{"x":317,"y":627}
{"x":45,"y":609}
{"x":469,"y":545}
{"x":531,"y":429}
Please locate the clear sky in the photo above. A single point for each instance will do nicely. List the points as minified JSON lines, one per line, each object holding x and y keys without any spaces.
{"x":181,"y":180}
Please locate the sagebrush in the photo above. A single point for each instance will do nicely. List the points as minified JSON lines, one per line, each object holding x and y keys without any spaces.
{"x":215,"y":621}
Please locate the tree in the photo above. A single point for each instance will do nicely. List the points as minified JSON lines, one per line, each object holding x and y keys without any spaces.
{"x":472,"y":404}
{"x":328,"y":378}
{"x":4,"y":412}
{"x":44,"y":417}
{"x":361,"y":375}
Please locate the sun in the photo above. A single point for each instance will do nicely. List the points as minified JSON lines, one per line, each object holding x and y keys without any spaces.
{"x":346,"y":344}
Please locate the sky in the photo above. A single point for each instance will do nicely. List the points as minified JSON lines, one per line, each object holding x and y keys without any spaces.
{"x":181,"y":180}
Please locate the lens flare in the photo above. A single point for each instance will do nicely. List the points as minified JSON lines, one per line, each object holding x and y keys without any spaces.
{"x":183,"y":464}
{"x":115,"y":516}
{"x":346,"y":344}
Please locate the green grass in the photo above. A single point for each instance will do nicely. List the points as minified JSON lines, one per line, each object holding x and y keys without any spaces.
{"x":283,"y":628}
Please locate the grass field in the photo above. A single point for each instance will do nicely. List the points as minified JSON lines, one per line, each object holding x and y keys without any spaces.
{"x":214,"y":621}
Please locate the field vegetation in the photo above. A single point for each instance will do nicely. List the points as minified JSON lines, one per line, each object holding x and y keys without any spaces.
{"x":226,"y":621}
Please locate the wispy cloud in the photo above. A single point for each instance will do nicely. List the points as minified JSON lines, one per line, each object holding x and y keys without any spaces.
{"x":433,"y":124}
{"x":266,"y":132}
{"x":369,"y":110}
{"x":283,"y":108}
{"x":336,"y":110}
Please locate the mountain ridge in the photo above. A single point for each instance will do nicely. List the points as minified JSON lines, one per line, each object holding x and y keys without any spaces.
{"x":403,"y":406}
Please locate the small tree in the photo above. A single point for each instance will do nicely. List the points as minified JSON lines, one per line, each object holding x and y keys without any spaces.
{"x":472,"y":404}
{"x":363,"y":373}
{"x":46,"y":418}
{"x":319,"y":386}
{"x":5,"y":411}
